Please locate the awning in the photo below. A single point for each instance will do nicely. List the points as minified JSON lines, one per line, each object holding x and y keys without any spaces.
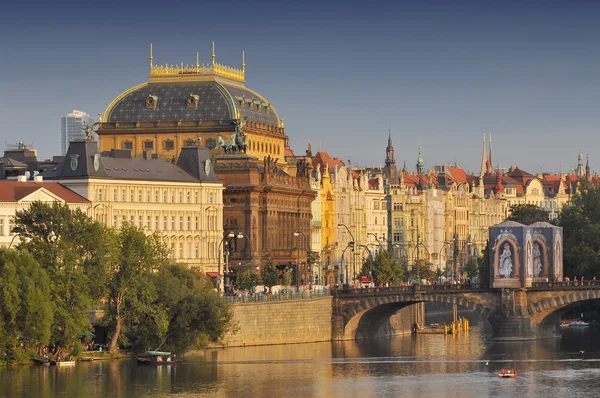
{"x":212,"y":274}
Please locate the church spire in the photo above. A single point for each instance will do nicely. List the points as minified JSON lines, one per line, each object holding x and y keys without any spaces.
{"x":484,"y":158}
{"x":420,"y":163}
{"x":390,"y":163}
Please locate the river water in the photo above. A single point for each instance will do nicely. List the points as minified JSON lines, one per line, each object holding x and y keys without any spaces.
{"x":411,"y":366}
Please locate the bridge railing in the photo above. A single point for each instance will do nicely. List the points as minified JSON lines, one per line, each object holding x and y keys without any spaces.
{"x":411,"y":289}
{"x":303,"y":295}
{"x":566,"y":285}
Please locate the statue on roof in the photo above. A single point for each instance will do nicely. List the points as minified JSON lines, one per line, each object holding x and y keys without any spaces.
{"x":237,"y":141}
{"x":89,"y":130}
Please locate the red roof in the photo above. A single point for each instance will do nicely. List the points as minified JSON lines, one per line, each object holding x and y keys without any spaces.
{"x":288,"y":152}
{"x":458,"y":175}
{"x":13,"y":191}
{"x":321,"y":158}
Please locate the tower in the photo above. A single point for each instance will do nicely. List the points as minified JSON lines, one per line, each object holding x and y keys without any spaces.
{"x":420,"y":163}
{"x":390,"y":170}
{"x":580,"y":171}
{"x":484,"y":159}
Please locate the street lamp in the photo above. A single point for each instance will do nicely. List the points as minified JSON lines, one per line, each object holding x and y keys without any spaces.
{"x":376,"y":239}
{"x":342,"y":263}
{"x":440,"y":255}
{"x":229,"y":235}
{"x":298,"y":233}
{"x":350,"y":244}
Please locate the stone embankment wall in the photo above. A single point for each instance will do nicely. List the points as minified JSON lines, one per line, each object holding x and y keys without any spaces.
{"x":281,"y":322}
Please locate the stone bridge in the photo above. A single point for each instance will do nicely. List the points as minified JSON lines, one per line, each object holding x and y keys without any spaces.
{"x":514,"y":314}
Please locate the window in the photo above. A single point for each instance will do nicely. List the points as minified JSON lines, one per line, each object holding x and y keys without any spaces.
{"x":172,"y":223}
{"x":181,"y":222}
{"x":181,"y":250}
{"x":148,"y":196}
{"x":128,"y":145}
{"x":11,"y":225}
{"x":196,"y":196}
{"x":165,"y":223}
{"x":172,"y":196}
{"x":115,"y":221}
{"x":100,"y":194}
{"x":1,"y":226}
{"x":131,"y":195}
{"x":123,"y":196}
{"x":149,"y":225}
{"x":156,"y":196}
{"x":148,"y":145}
{"x":197,"y":251}
{"x":115,"y":195}
{"x":376,"y":204}
{"x":164,"y":196}
{"x":197,"y":224}
{"x":169,"y":145}
{"x":140,"y":195}
{"x":180,"y":197}
{"x":189,"y":143}
{"x":396,"y":236}
{"x":189,"y":196}
{"x":124,"y":219}
{"x":210,"y":197}
{"x":140,"y":221}
{"x":132,"y":220}
{"x":375,"y":220}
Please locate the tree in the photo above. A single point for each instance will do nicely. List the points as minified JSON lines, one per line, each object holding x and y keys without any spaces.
{"x":76,"y":253}
{"x":138,"y":256}
{"x":471,"y":268}
{"x":484,"y":265}
{"x":581,"y":227}
{"x":269,"y":274}
{"x":25,"y":311}
{"x":248,"y":280}
{"x":287,"y":278}
{"x":186,"y":312}
{"x":386,"y":268}
{"x":527,"y":214}
{"x":422,"y":269}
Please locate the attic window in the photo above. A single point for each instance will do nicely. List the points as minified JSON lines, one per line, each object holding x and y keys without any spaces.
{"x":151,"y":101}
{"x":192,"y":101}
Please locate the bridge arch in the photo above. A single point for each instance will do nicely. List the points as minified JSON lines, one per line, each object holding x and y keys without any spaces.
{"x":546,"y":312}
{"x":370,"y":316}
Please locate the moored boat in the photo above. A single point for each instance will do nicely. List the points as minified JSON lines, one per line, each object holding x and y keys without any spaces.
{"x":573,"y":323}
{"x":64,"y":363}
{"x":507,"y":373}
{"x":41,"y":361}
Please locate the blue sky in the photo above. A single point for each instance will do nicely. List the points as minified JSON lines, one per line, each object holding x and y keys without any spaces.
{"x":438,"y":74}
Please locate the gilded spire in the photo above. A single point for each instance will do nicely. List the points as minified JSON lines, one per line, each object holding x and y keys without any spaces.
{"x":243,"y":62}
{"x":151,"y":59}
{"x":197,"y":60}
{"x":213,"y":53}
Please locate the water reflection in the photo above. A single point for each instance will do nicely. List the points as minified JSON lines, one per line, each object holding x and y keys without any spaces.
{"x":426,"y":365}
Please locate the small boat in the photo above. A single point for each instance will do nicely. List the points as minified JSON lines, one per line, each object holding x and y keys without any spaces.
{"x":41,"y":361}
{"x":64,"y":363}
{"x":507,"y":374}
{"x":158,"y":358}
{"x":574,"y":323}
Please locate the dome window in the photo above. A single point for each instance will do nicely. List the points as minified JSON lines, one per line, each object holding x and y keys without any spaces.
{"x":192,"y":101}
{"x":151,"y":101}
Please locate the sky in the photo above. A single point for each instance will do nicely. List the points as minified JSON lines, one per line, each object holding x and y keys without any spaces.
{"x":437,"y":74}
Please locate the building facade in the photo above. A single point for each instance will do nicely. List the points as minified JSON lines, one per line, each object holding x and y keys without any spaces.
{"x":181,"y":202}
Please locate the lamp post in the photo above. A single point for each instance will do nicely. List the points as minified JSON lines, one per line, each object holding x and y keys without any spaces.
{"x":350,"y":244}
{"x":229,"y":235}
{"x":342,"y":264}
{"x":241,"y":235}
{"x":440,"y":255}
{"x":298,"y":233}
{"x":370,"y":255}
{"x":376,"y":239}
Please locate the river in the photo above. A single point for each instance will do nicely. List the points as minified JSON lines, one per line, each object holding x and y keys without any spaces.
{"x":411,"y":366}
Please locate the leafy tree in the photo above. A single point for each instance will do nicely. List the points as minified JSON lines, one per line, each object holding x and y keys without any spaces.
{"x":386,"y":268}
{"x":471,"y":268}
{"x":269,"y":274}
{"x":527,"y":214}
{"x":287,"y":278}
{"x":138,"y":256}
{"x":484,"y":265}
{"x":422,"y":270}
{"x":186,"y":313}
{"x":248,"y":280}
{"x":25,"y":312}
{"x":581,"y":227}
{"x":76,"y":253}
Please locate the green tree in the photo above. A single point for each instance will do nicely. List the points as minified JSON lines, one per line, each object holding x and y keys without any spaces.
{"x":138,"y":256}
{"x":186,"y":312}
{"x":269,"y":274}
{"x":423,"y":269}
{"x":248,"y":280}
{"x":581,"y":227}
{"x":484,"y":265}
{"x":25,"y":311}
{"x":287,"y":278}
{"x":76,"y":253}
{"x":471,"y":268}
{"x":386,"y":269}
{"x":527,"y":214}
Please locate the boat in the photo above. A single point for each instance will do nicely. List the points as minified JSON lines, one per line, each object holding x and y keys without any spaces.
{"x":41,"y":361}
{"x":507,"y":374}
{"x":64,"y":363}
{"x":158,"y":358}
{"x":573,"y":323}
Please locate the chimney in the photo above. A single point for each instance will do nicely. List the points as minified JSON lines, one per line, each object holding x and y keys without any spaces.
{"x":22,"y":178}
{"x":38,"y":178}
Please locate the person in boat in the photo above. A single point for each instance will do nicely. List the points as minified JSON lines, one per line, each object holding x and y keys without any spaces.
{"x":159,"y":358}
{"x":174,"y":358}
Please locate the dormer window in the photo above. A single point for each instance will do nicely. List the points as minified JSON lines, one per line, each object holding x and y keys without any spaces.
{"x":151,"y":101}
{"x":192,"y":101}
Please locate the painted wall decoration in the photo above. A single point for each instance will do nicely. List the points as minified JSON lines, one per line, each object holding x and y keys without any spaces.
{"x":506,"y":263}
{"x":557,"y":255}
{"x":537,"y":260}
{"x":529,"y":255}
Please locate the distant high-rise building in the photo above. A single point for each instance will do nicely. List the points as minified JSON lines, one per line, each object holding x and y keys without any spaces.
{"x":71,"y":128}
